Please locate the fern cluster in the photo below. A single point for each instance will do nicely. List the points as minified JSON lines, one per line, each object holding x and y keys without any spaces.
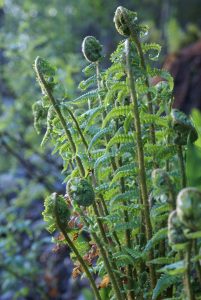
{"x":123,"y":149}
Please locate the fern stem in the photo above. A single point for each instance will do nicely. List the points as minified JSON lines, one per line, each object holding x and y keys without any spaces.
{"x":113,"y":163}
{"x":61,"y":118}
{"x":149,"y":98}
{"x":187,"y":279}
{"x":130,"y":294}
{"x":197,"y":263}
{"x":140,"y":154}
{"x":182,"y":166}
{"x":79,"y":257}
{"x":106,"y":260}
{"x":78,"y":128}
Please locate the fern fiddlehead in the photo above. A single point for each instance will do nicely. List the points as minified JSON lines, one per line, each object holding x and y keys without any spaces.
{"x":56,"y":214}
{"x":43,"y":70}
{"x":127,"y":25}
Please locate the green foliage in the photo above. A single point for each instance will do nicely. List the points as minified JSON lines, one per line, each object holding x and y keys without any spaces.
{"x":112,"y":148}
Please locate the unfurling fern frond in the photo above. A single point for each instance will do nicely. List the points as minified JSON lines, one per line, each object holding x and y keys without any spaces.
{"x":152,"y":49}
{"x":38,"y":112}
{"x":85,"y":84}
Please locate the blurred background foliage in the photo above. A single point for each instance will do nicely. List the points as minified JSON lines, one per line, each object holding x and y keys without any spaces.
{"x":54,"y":29}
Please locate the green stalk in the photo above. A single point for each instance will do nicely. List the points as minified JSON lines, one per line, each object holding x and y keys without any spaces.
{"x":197,"y":263}
{"x":182,"y":166}
{"x":78,"y":128}
{"x":79,"y":257}
{"x":149,"y":98}
{"x":60,"y":116}
{"x":140,"y":154}
{"x":113,"y":163}
{"x":129,"y":271}
{"x":107,"y":264}
{"x":187,"y":279}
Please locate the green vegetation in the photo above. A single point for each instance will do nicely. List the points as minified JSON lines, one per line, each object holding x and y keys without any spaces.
{"x":31,"y":266}
{"x":123,"y":149}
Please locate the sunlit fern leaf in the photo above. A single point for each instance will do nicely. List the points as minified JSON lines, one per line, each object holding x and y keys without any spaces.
{"x":98,"y":137}
{"x":128,"y":170}
{"x":113,"y":91}
{"x":93,"y":115}
{"x":90,"y":95}
{"x":101,"y":160}
{"x":129,"y":195}
{"x":90,"y":69}
{"x":85,"y":84}
{"x":158,"y":120}
{"x":162,"y":151}
{"x":117,"y":112}
{"x":120,"y":139}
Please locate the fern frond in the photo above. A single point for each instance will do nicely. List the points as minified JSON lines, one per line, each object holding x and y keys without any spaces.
{"x":98,"y":137}
{"x":90,"y":95}
{"x":130,"y":195}
{"x":117,"y":112}
{"x":85,"y":84}
{"x":50,"y":117}
{"x":156,"y":238}
{"x":124,"y":171}
{"x":103,"y":159}
{"x":158,"y":120}
{"x":90,"y":69}
{"x":113,"y":91}
{"x":154,"y":48}
{"x":163,"y":283}
{"x":120,"y":139}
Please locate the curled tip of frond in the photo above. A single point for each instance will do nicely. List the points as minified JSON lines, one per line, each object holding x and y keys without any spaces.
{"x":80,"y":192}
{"x":56,"y":212}
{"x":91,"y":49}
{"x":124,"y":20}
{"x":183,"y":127}
{"x":189,"y":208}
{"x":175,"y":231}
{"x":42,"y":66}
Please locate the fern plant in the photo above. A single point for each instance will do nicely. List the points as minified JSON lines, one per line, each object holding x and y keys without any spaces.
{"x":123,"y":148}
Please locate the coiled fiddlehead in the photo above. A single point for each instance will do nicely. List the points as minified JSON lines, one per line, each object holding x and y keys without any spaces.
{"x":39,"y":113}
{"x":176,"y":237}
{"x":183,"y":128}
{"x":91,"y":48}
{"x":56,"y":209}
{"x":124,"y":20}
{"x":189,"y":208}
{"x":80,"y":192}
